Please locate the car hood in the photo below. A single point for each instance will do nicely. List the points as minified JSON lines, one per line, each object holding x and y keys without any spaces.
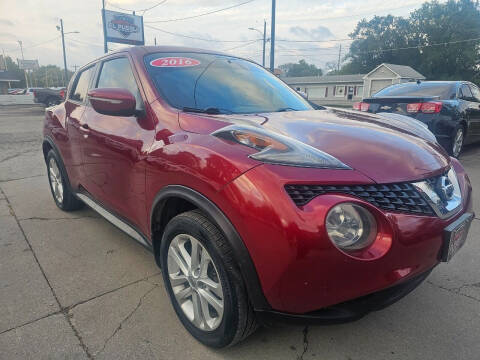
{"x":386,"y":149}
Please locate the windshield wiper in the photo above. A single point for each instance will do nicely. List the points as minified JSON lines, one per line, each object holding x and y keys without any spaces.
{"x":285,"y":109}
{"x":210,"y":110}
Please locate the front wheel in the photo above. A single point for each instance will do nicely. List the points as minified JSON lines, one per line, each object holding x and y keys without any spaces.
{"x":203,"y":281}
{"x":457,"y":141}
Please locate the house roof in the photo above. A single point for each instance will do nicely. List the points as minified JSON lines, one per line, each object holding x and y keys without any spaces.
{"x":402,"y":71}
{"x":7,"y":76}
{"x":324,"y":79}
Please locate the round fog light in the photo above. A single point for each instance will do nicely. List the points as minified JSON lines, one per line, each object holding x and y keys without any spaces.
{"x":351,"y":227}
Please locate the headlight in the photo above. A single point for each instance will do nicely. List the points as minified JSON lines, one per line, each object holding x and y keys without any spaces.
{"x":279,"y":149}
{"x":351,"y":227}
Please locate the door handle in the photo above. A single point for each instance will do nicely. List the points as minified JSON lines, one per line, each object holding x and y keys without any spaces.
{"x":84,"y":126}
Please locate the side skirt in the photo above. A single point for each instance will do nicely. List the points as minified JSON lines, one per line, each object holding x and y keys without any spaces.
{"x":115,"y":220}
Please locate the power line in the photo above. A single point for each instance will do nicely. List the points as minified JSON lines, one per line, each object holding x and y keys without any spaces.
{"x":131,"y":10}
{"x":419,"y":46}
{"x":199,"y":15}
{"x":364,"y":13}
{"x":315,"y":41}
{"x":35,"y":45}
{"x":198,"y":38}
{"x":242,"y":45}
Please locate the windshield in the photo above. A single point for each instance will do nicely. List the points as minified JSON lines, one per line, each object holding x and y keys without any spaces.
{"x":221,"y":83}
{"x":443,"y":91}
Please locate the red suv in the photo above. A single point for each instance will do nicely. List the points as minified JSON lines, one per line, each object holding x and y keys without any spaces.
{"x":256,"y":206}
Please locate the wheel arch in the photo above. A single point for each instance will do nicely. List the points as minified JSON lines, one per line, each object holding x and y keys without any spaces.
{"x":187,"y":199}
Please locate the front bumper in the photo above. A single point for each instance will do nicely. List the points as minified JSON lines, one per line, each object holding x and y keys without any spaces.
{"x":347,"y":311}
{"x":300,"y":270}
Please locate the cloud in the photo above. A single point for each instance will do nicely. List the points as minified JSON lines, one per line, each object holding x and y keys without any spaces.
{"x":5,"y":22}
{"x":319,"y":33}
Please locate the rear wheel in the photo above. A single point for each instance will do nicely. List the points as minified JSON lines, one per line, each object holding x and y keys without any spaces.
{"x":203,"y":281}
{"x":59,"y":187}
{"x":457,"y":141}
{"x":51,"y":101}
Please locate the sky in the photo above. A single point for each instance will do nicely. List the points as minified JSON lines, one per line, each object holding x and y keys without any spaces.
{"x":34,"y":23}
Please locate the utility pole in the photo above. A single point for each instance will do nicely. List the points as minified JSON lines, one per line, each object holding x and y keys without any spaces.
{"x":105,"y":46}
{"x":24,"y":71}
{"x":75,"y":67}
{"x":264,"y":40}
{"x":272,"y":39}
{"x":339,"y":57}
{"x":155,"y":40}
{"x":64,"y":55}
{"x":6,"y":66}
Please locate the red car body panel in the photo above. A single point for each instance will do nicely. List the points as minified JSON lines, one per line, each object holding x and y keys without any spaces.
{"x":125,"y":163}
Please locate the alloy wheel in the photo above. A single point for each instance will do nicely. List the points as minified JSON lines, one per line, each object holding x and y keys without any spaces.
{"x":195,"y":282}
{"x":457,"y":143}
{"x":55,"y":180}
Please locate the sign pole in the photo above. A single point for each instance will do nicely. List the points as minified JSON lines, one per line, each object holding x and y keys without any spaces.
{"x":272,"y":39}
{"x":105,"y":46}
{"x":24,"y":71}
{"x":64,"y":55}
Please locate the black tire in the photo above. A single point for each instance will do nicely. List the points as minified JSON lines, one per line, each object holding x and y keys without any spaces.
{"x":454,"y":148}
{"x":69,"y":201}
{"x":51,"y":101}
{"x":238,"y":320}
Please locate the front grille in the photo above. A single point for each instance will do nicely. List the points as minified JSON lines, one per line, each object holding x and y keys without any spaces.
{"x":400,"y":197}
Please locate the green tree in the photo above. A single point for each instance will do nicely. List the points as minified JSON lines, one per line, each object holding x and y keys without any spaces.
{"x":302,"y":68}
{"x":421,"y":33}
{"x":44,"y":76}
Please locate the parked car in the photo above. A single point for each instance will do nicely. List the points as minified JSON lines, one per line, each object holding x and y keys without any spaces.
{"x":15,"y":91}
{"x":256,"y":207}
{"x":450,"y":109}
{"x":49,"y":96}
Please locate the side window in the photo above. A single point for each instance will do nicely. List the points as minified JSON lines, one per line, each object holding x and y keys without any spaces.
{"x":80,"y":87}
{"x":117,"y":73}
{"x":475,"y":92}
{"x":465,"y":92}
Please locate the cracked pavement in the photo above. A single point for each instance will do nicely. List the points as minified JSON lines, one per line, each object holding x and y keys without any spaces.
{"x":72,"y":286}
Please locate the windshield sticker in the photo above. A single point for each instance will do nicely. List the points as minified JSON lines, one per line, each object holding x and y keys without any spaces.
{"x":174,"y":62}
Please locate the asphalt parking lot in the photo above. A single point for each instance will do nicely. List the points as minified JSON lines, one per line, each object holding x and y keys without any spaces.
{"x":72,"y":286}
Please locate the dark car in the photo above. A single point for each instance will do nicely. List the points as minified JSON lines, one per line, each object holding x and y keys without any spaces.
{"x":49,"y":97}
{"x":256,"y":206}
{"x":450,"y":109}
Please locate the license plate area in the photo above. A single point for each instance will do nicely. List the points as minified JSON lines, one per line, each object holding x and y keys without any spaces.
{"x":454,"y":236}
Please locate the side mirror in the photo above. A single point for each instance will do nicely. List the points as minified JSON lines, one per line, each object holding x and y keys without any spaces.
{"x":112,"y":101}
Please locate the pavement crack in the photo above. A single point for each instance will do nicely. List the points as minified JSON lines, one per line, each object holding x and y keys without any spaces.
{"x":119,"y":327}
{"x":21,"y":178}
{"x":457,"y":290}
{"x":63,"y":311}
{"x":17,"y":155}
{"x":71,"y":307}
{"x":305,"y":343}
{"x":31,"y":321}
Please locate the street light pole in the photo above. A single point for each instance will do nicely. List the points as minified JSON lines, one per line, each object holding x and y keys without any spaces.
{"x":23,"y":58}
{"x":64,"y":55}
{"x":264,"y":40}
{"x":272,"y":38}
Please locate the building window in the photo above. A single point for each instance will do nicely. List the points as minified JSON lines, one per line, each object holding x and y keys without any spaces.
{"x":316,"y":92}
{"x":359,"y":91}
{"x":339,"y":91}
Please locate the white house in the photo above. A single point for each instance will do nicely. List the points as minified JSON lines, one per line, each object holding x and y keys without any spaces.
{"x":344,"y":90}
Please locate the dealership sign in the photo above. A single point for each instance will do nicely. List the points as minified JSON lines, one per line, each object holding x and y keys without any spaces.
{"x":123,"y":28}
{"x":27,"y":64}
